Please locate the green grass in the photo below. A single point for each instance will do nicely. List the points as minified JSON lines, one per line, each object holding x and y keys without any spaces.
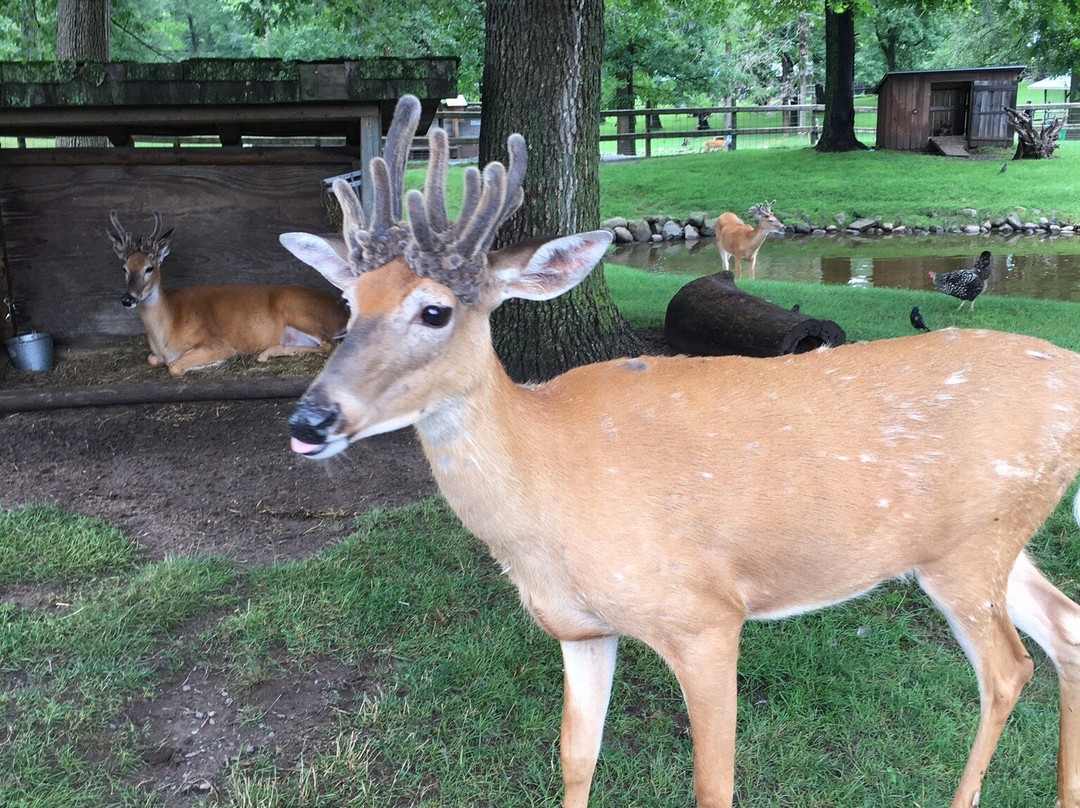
{"x":871,"y":703}
{"x":901,"y":187}
{"x":41,"y":543}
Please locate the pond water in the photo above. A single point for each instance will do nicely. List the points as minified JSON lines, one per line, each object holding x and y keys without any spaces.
{"x":1022,"y":266}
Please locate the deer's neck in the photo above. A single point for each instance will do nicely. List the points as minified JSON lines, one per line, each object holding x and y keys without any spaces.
{"x":760,"y":233}
{"x":155,"y":311}
{"x":475,"y":443}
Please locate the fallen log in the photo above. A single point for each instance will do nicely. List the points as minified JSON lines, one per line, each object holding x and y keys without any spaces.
{"x":157,"y":392}
{"x":711,"y":316}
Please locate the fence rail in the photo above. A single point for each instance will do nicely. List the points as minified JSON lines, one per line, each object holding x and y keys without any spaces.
{"x":653,"y":128}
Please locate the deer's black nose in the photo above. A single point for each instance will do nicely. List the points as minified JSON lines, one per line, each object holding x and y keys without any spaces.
{"x":129,"y":301}
{"x":311,"y":422}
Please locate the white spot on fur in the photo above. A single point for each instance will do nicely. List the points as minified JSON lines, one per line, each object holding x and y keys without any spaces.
{"x":842,"y":458}
{"x":959,"y":377}
{"x":607,"y":426}
{"x":706,"y":475}
{"x":867,"y":458}
{"x":1053,"y":382}
{"x":1005,"y":469}
{"x":753,"y":447}
{"x":884,"y":503}
{"x":1039,"y":355}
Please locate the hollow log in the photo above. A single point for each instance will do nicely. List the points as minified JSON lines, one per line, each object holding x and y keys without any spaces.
{"x":711,"y":316}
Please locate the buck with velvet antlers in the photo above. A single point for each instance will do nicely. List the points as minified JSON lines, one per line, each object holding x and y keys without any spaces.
{"x":672,"y":499}
{"x":198,"y":326}
{"x":736,"y":239}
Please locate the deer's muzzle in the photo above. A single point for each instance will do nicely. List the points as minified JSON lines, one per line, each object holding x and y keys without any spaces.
{"x":311,"y":426}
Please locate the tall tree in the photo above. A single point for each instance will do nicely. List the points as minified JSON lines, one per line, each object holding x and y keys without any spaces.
{"x":542,"y":79}
{"x":82,"y":29}
{"x":838,"y":123}
{"x":82,"y":32}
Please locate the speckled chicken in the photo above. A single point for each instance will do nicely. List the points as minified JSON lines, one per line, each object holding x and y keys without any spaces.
{"x":965,"y":284}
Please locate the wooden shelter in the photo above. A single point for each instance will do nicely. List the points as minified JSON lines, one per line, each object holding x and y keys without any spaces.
{"x":229,"y":196}
{"x":947,"y":111}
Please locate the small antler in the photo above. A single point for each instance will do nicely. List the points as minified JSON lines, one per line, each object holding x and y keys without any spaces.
{"x":126,"y":245}
{"x":762,"y":209}
{"x":371,"y":247}
{"x":454,"y":253}
{"x":121,"y":239}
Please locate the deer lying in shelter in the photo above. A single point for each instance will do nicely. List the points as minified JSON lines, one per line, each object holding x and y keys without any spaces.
{"x":198,"y":326}
{"x":672,"y":499}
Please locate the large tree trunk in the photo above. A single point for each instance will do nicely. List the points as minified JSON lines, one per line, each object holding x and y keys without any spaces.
{"x":542,"y":79}
{"x":82,"y":33}
{"x":838,"y":126}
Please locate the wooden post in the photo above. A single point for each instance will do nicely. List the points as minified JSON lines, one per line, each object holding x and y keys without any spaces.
{"x":648,"y":129}
{"x":734,"y":125}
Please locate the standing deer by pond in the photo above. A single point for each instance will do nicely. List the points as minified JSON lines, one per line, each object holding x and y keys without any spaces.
{"x":198,"y":326}
{"x":736,"y":238}
{"x":672,"y":499}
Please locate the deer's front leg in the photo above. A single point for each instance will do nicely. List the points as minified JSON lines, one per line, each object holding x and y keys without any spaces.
{"x":706,"y":665}
{"x":200,"y":357}
{"x":589,"y":666}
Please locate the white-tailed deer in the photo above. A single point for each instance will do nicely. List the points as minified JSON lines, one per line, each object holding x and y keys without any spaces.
{"x":716,"y":144}
{"x":737,"y":239}
{"x":198,"y":326}
{"x":672,"y":499}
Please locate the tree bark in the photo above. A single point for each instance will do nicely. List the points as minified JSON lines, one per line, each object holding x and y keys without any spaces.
{"x":624,"y":99}
{"x":838,"y":125}
{"x":542,"y":79}
{"x":82,"y":33}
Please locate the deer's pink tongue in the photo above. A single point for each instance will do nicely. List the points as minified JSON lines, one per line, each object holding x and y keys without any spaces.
{"x":300,"y":447}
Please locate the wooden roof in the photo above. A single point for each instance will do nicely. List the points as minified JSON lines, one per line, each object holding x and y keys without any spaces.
{"x":228,"y":97}
{"x":945,"y":74}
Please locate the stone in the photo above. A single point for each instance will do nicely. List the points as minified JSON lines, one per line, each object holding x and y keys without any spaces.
{"x":622,"y":235}
{"x":690,"y":233}
{"x":671,"y":230}
{"x":696,"y":219}
{"x":615,"y":221}
{"x":862,"y":224}
{"x":640,"y":230}
{"x":1013,"y":220}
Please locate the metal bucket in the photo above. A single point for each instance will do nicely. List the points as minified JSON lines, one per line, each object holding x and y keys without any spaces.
{"x":31,"y":351}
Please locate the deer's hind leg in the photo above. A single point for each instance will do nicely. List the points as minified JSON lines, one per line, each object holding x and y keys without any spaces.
{"x":293,"y":342}
{"x":1042,"y":612}
{"x":975,"y":606}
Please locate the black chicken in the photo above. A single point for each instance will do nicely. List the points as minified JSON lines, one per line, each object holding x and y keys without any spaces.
{"x":965,"y":284}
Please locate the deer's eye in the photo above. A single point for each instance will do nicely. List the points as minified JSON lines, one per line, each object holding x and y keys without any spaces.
{"x":148,"y":270}
{"x":435,"y":316}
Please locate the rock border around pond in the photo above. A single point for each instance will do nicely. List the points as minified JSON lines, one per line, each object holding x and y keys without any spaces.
{"x":698,"y":225}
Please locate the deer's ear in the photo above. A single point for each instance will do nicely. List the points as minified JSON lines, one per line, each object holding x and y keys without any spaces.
{"x":317,"y":252}
{"x":546,"y":271}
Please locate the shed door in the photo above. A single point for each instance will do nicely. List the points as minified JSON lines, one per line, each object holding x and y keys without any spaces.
{"x":987,"y":124}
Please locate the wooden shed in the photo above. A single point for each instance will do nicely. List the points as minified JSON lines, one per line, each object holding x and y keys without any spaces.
{"x":947,"y":111}
{"x":228,"y":196}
